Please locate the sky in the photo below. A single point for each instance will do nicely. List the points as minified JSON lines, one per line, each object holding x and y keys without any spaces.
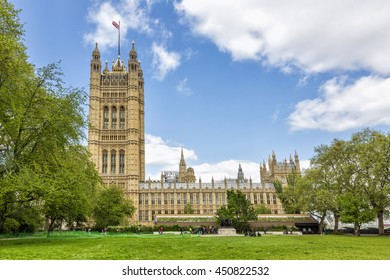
{"x":230,"y":81}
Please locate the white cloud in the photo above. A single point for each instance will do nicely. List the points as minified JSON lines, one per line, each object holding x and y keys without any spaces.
{"x":162,"y":155}
{"x":164,"y":61}
{"x":305,"y":164}
{"x":313,"y":36}
{"x":132,"y":14}
{"x":183,"y":88}
{"x":228,"y":169}
{"x":342,"y":106}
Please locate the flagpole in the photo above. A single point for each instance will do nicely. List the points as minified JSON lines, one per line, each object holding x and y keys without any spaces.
{"x":119,"y":39}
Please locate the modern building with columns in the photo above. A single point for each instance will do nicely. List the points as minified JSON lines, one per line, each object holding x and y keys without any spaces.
{"x":116,"y":140}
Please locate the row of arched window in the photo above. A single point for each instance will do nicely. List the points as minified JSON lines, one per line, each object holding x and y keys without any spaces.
{"x":114,"y":117}
{"x":110,"y":160}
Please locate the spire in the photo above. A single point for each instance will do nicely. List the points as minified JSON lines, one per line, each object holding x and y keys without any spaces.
{"x":133,"y":53}
{"x":96,"y":50}
{"x":182,"y":167}
{"x":95,"y":62}
{"x":240,"y":174}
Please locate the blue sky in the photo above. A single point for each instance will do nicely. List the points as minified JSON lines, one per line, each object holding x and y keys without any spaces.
{"x":231,"y":81}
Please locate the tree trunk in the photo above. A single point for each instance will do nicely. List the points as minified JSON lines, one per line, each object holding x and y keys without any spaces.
{"x":336,"y":222}
{"x":321,"y":226}
{"x":380,"y":223}
{"x":51,"y":225}
{"x":357,"y":229}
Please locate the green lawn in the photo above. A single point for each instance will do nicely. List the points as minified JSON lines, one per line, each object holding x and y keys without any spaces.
{"x":176,"y":247}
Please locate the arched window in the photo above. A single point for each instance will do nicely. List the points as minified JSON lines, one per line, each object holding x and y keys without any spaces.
{"x":113,"y":161}
{"x":114,"y":117}
{"x":122,"y":117}
{"x":104,"y":161}
{"x":105,"y":117}
{"x":121,"y":162}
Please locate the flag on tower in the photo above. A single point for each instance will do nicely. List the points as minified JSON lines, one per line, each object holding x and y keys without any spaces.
{"x":117,"y":26}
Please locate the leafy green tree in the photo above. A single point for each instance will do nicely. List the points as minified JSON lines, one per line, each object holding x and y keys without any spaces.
{"x":290,"y":195}
{"x":112,"y":208}
{"x":372,"y":150}
{"x":41,"y":125}
{"x":356,"y":209}
{"x":70,"y":193}
{"x":262,"y":209}
{"x":349,"y":179}
{"x":330,"y":176}
{"x":238,"y":210}
{"x":20,"y":201}
{"x":188,"y":209}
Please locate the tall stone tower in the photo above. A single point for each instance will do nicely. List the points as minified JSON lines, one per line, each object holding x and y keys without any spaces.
{"x":116,"y":135}
{"x":279,"y":170}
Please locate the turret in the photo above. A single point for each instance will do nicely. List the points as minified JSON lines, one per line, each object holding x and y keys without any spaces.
{"x":240,"y":174}
{"x":96,"y":64}
{"x":133,"y":62}
{"x":182,"y":167}
{"x":296,"y":160}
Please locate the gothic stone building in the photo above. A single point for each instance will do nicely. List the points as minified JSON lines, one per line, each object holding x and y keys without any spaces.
{"x":116,"y":140}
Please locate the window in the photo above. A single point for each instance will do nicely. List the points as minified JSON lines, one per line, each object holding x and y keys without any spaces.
{"x":122,"y":117}
{"x":114,"y":117}
{"x":113,"y":161}
{"x":178,"y":198}
{"x":104,"y":162}
{"x":146,"y":215}
{"x":105,"y":117}
{"x":121,"y":162}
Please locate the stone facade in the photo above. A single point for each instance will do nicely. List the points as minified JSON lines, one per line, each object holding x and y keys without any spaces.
{"x":158,"y":197}
{"x":279,"y":170}
{"x":116,"y":141}
{"x":116,"y":122}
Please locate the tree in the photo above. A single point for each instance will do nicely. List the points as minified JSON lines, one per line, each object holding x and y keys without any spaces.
{"x":41,"y":124}
{"x":238,"y":209}
{"x":356,"y":209}
{"x":290,"y":195}
{"x":262,"y":209}
{"x":372,"y":150}
{"x":70,"y":193}
{"x":112,"y":207}
{"x":349,"y":179}
{"x":188,"y":209}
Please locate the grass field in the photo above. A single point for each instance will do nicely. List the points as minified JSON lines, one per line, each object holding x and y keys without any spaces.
{"x":194,"y":247}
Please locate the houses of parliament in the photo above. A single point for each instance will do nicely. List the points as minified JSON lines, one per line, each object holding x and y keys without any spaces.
{"x":116,"y":140}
